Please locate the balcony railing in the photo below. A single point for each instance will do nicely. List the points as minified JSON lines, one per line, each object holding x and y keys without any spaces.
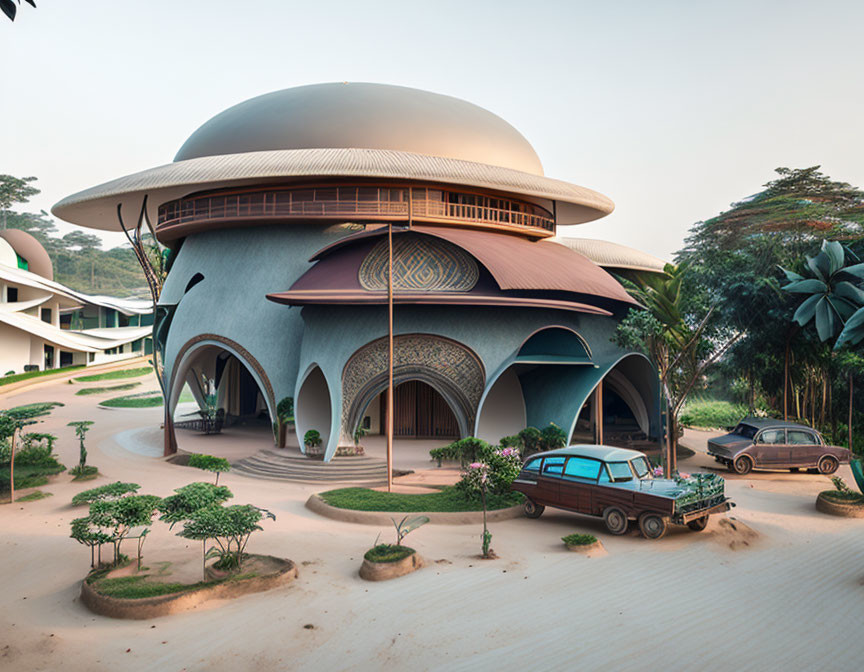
{"x":359,"y":203}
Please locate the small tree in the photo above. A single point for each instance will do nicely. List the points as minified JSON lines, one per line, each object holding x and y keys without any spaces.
{"x":230,"y":527}
{"x":81,"y":429}
{"x":121,"y":515}
{"x":84,"y":531}
{"x":108,"y":492}
{"x":179,"y":507}
{"x":10,"y":430}
{"x":475,"y":479}
{"x":210,"y":463}
{"x":405,"y":526}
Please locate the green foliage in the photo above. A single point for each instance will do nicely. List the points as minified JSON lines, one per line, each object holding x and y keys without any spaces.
{"x":713,"y":414}
{"x":511,"y":442}
{"x":504,"y":466}
{"x":15,"y":189}
{"x":115,"y":518}
{"x":103,"y":390}
{"x":137,"y":587}
{"x":105,"y":492}
{"x":312,"y":438}
{"x":229,"y":526}
{"x":405,"y":526}
{"x":34,"y":496}
{"x":579,"y":539}
{"x":36,"y":450}
{"x":448,"y":500}
{"x":209,"y":463}
{"x":531,"y":439}
{"x":553,"y":437}
{"x":285,"y":409}
{"x":9,"y":379}
{"x":81,"y":429}
{"x":115,"y":375}
{"x":85,"y":473}
{"x":135,"y":401}
{"x":190,"y":498}
{"x":465,"y":450}
{"x":388,"y":553}
{"x":30,"y":411}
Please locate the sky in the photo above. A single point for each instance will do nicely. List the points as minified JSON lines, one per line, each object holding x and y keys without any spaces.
{"x":673,"y":109}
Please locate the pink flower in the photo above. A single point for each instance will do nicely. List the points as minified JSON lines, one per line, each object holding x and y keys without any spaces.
{"x":658,"y":471}
{"x":684,"y":475}
{"x":475,"y":465}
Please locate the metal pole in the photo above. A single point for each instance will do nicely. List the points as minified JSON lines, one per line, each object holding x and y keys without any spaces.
{"x":390,"y":357}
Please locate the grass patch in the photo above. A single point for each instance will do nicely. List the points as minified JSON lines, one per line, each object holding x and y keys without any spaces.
{"x":88,"y":473}
{"x":136,"y":588}
{"x":713,"y":414}
{"x":447,"y":500}
{"x":34,"y":496}
{"x":6,"y":380}
{"x":115,"y":375}
{"x":29,"y":411}
{"x":29,"y":475}
{"x":579,"y":539}
{"x":102,"y":390}
{"x":387,"y":553}
{"x":134,"y":401}
{"x":843,"y":497}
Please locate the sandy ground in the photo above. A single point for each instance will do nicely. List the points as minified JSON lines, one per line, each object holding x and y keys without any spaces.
{"x":791,"y":599}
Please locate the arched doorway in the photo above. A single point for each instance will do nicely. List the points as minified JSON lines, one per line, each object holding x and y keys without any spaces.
{"x":312,"y":407}
{"x":419,"y":412}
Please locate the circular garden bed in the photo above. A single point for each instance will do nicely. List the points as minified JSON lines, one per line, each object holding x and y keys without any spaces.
{"x":836,"y":503}
{"x":141,"y":595}
{"x":388,"y":561}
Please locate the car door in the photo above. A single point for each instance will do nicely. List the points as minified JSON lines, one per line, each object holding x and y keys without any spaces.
{"x":770,"y":449}
{"x":578,"y":483}
{"x":549,"y":480}
{"x":804,"y":448}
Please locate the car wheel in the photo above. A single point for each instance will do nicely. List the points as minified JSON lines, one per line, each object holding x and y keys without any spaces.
{"x":742,"y":465}
{"x":828,"y":465}
{"x":699,"y":524}
{"x":616,"y":520}
{"x":532,"y":509}
{"x":653,"y":525}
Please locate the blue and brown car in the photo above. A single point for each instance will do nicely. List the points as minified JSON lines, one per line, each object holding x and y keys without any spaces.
{"x":763,"y":443}
{"x":618,"y":485}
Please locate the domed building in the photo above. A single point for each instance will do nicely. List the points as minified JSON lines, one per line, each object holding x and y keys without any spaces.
{"x":277,"y":213}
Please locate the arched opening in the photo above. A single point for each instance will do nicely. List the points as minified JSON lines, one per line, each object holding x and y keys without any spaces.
{"x":419,"y":412}
{"x":503,"y":410}
{"x":216,"y":393}
{"x":312,"y":407}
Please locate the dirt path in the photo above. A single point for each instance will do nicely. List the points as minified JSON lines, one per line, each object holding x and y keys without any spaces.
{"x":790,"y":599}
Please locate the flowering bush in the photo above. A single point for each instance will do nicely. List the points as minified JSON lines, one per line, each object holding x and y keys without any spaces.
{"x":504,"y":466}
{"x":476,"y":478}
{"x":658,"y":472}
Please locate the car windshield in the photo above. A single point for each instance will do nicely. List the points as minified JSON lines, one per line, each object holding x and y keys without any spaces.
{"x":746,"y":431}
{"x":620,"y":471}
{"x":640,"y":465}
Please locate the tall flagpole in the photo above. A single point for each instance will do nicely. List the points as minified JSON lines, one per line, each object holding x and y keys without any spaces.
{"x":390,"y":357}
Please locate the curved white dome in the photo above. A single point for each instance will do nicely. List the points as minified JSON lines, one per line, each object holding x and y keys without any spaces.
{"x":364,"y":116}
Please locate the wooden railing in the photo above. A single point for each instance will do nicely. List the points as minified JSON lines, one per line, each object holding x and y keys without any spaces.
{"x":356,"y":202}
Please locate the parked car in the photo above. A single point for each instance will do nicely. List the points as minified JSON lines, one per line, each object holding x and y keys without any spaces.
{"x":618,"y":485}
{"x":762,"y":443}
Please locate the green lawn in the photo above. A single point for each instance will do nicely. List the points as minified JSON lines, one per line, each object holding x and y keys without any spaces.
{"x":114,"y":375}
{"x":447,"y":500}
{"x":135,"y":587}
{"x":134,"y":401}
{"x":29,"y":411}
{"x":5,"y":380}
{"x":712,"y":414}
{"x":103,"y":390}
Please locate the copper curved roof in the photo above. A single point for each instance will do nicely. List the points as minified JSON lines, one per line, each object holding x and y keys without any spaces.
{"x":517,"y":270}
{"x":29,"y":248}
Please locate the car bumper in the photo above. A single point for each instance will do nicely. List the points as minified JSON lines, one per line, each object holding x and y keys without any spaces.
{"x":685,"y":518}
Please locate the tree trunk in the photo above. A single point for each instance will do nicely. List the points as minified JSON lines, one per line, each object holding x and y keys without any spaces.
{"x":850,"y":409}
{"x":12,"y":468}
{"x":786,"y":379}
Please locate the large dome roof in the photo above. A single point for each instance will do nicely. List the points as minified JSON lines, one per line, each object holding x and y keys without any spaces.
{"x":364,"y":116}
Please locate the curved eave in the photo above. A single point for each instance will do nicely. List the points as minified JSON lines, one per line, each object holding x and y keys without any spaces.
{"x":97,"y":207}
{"x":612,"y":255}
{"x":367,"y":298}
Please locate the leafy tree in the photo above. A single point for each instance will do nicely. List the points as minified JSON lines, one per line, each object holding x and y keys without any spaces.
{"x":86,"y":532}
{"x":210,"y":463}
{"x":190,"y":498}
{"x":110,"y":491}
{"x":476,"y":480}
{"x":14,"y":189}
{"x":229,"y":526}
{"x":121,"y":515}
{"x":9,"y":8}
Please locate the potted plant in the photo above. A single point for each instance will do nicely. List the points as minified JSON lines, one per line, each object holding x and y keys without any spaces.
{"x":582,"y":543}
{"x":387,"y":561}
{"x":312,"y":441}
{"x":842,"y":500}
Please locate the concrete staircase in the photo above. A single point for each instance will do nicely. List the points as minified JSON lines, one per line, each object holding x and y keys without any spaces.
{"x":290,"y":465}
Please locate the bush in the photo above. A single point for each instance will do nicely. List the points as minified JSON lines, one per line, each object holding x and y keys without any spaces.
{"x":312,"y":438}
{"x":465,"y":450}
{"x":712,"y":414}
{"x":105,"y":492}
{"x":387,"y":553}
{"x":553,"y":437}
{"x":511,"y":442}
{"x":190,"y":498}
{"x":532,"y":440}
{"x":504,"y":466}
{"x":579,"y":539}
{"x":285,"y":410}
{"x":209,"y":463}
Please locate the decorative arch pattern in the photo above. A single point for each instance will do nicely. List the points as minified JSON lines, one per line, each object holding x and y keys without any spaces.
{"x":420,"y":264}
{"x":452,"y":369}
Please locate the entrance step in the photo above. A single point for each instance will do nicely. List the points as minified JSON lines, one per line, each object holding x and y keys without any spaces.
{"x":282,"y":465}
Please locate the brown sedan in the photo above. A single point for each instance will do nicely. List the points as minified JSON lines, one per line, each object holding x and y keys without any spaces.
{"x":762,"y":443}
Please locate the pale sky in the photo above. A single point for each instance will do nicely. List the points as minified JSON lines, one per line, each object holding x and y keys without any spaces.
{"x":673,"y":109}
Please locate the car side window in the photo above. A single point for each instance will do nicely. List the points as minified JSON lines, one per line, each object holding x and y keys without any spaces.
{"x":553,"y":466}
{"x":582,"y":468}
{"x":533,"y":465}
{"x":531,"y":469}
{"x":772,"y":436}
{"x":801,"y":438}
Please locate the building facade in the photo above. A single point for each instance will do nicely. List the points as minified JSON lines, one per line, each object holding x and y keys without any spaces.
{"x":281,"y":214}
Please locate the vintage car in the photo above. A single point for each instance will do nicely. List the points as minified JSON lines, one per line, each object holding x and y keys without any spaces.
{"x":618,"y":485}
{"x":762,"y":443}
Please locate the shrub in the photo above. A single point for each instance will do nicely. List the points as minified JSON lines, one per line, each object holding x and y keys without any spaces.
{"x":285,"y":410}
{"x":210,"y":463}
{"x":504,"y":466}
{"x":312,"y":438}
{"x":465,"y":450}
{"x":405,"y":526}
{"x":552,"y":437}
{"x":475,"y":479}
{"x":110,"y":491}
{"x":579,"y":539}
{"x":36,"y":450}
{"x":511,"y":442}
{"x":712,"y":414}
{"x":190,"y":498}
{"x":531,"y":439}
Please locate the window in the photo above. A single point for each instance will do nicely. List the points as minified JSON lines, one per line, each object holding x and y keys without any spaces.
{"x":46,"y":315}
{"x":746,"y":431}
{"x":553,"y":466}
{"x":533,"y":465}
{"x":11,"y":294}
{"x":640,"y":464}
{"x":582,"y":467}
{"x":620,"y":471}
{"x":772,"y":436}
{"x":801,"y":438}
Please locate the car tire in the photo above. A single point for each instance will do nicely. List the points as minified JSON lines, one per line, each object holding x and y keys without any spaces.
{"x":742,"y":465}
{"x":699,"y":524}
{"x":828,"y":465}
{"x":653,"y":525}
{"x":616,"y":520}
{"x":532,"y":509}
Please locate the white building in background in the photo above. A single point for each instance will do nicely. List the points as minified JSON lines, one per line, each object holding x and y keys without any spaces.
{"x":45,"y":325}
